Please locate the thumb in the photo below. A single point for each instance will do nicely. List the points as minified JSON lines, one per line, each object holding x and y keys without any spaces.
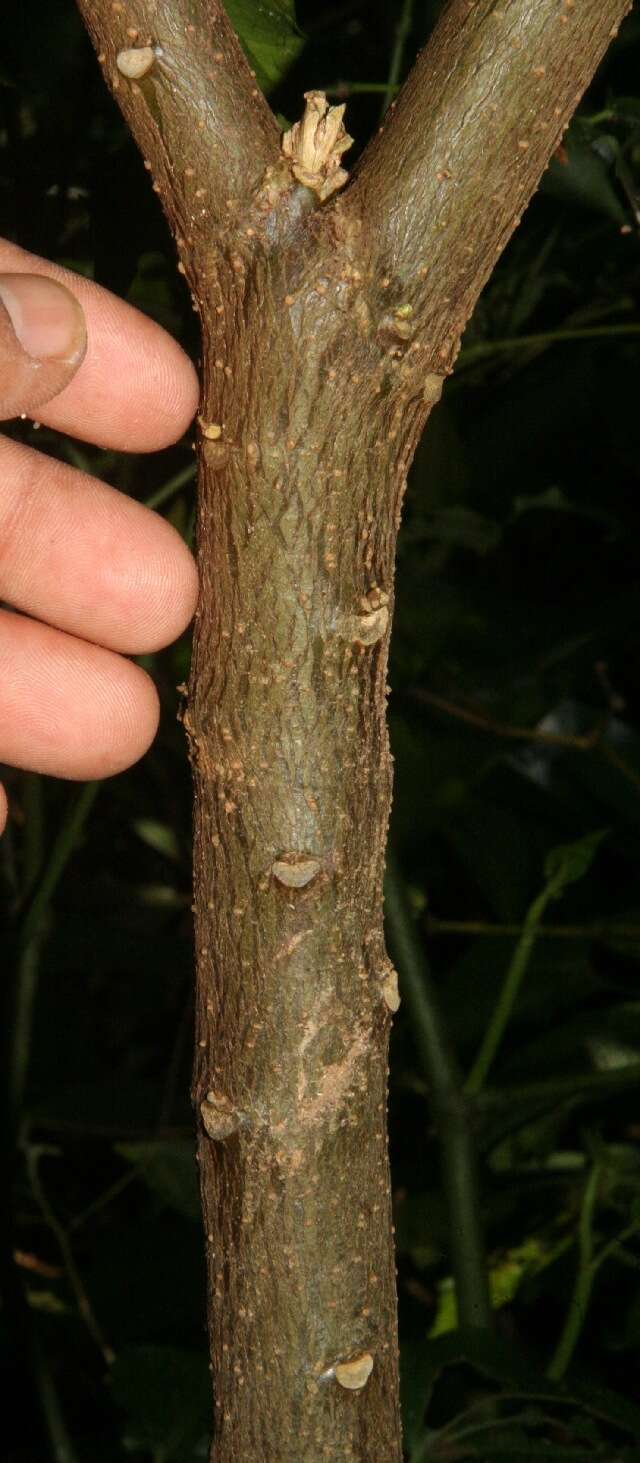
{"x":43,"y":340}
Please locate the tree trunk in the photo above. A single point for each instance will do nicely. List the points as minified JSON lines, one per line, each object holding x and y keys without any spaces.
{"x":286,"y":725}
{"x":328,"y":327}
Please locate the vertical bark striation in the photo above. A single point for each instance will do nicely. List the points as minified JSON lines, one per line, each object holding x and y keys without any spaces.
{"x":286,"y":722}
{"x":445,"y":181}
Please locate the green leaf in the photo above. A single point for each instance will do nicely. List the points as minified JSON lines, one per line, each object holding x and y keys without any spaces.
{"x":571,"y":861}
{"x":500,"y":1360}
{"x":269,"y":35}
{"x":555,"y":500}
{"x":583,"y":180}
{"x":625,"y":109}
{"x":46,"y":1302}
{"x":488,"y":1353}
{"x":506,"y":1111}
{"x":162,"y":896}
{"x":158,"y":836}
{"x":505,"y":1277}
{"x":610,"y":1406}
{"x":168,"y":1168}
{"x":165,"y":1393}
{"x":463,"y":528}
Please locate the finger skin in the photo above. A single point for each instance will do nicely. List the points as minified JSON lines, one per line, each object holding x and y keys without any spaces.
{"x":3,"y":809}
{"x":68,"y":708}
{"x":136,"y":390}
{"x":27,"y":382}
{"x":88,"y":559}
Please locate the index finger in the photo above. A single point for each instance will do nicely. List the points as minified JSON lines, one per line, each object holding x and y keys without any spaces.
{"x":136,"y":390}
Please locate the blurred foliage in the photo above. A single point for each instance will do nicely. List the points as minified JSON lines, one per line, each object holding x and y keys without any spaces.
{"x":515,"y":722}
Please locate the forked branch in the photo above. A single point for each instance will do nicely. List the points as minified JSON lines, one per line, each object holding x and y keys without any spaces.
{"x":439,"y":190}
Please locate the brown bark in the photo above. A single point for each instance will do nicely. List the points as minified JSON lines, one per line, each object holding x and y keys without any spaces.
{"x":327,"y":332}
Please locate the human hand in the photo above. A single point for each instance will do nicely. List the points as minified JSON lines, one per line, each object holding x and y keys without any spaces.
{"x":91,"y":575}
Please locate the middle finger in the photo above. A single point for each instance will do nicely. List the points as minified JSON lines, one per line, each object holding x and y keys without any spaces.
{"x":88,"y":559}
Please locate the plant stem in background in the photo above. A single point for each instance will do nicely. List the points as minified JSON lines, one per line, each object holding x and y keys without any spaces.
{"x":603,"y":930}
{"x":36,"y":897}
{"x":62,"y":1449}
{"x":484,"y":349}
{"x":30,"y":938}
{"x":397,"y":55}
{"x":358,"y":88}
{"x":508,"y":995}
{"x":452,"y":1109}
{"x":589,"y":1264}
{"x":585,"y":1276}
{"x":563,"y":866}
{"x":33,"y":834}
{"x":560,"y":1088}
{"x":179,"y":480}
{"x":33,"y":1154}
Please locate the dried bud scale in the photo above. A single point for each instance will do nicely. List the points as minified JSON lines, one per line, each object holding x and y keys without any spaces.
{"x":315,"y":144}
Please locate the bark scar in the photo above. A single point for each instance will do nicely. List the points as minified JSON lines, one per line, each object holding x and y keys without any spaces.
{"x":295,"y":870}
{"x":333,"y":1087}
{"x":371,"y":624}
{"x":219,"y":1116}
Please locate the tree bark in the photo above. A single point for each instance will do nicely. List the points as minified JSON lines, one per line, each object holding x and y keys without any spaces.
{"x":328,"y":328}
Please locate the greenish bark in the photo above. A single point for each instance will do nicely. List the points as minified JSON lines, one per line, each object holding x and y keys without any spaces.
{"x":329,"y":322}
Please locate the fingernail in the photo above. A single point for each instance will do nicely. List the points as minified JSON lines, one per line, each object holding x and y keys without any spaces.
{"x":47,"y":319}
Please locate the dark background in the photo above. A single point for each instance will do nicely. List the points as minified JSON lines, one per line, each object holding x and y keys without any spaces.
{"x":514,"y":717}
